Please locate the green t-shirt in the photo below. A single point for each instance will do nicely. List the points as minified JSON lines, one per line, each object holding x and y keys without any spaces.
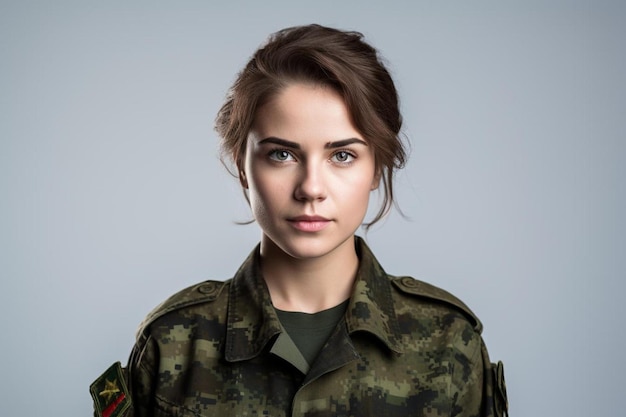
{"x":310,"y":332}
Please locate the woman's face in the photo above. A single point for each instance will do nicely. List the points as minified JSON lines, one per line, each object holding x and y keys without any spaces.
{"x":308,"y":171}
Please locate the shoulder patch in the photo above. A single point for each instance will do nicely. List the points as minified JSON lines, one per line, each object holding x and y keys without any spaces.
{"x":110,"y":394}
{"x":204,"y":292}
{"x":413,"y":286}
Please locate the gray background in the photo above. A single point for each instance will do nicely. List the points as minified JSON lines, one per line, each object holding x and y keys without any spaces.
{"x":112,"y":196}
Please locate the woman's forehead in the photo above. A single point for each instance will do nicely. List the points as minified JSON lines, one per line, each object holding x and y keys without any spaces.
{"x":301,"y":111}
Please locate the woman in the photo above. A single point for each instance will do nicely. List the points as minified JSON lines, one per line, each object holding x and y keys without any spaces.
{"x":310,"y":325}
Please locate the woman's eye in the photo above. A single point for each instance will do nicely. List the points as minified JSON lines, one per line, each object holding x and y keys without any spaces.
{"x":343,"y":157}
{"x":280,"y":155}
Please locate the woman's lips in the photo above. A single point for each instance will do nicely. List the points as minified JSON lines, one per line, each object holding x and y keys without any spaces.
{"x":309,"y":223}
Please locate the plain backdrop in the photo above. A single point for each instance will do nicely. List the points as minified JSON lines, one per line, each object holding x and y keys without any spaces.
{"x":113,"y":196}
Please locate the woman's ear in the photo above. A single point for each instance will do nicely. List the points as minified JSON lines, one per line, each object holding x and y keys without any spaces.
{"x":376,"y":180}
{"x":243,"y":179}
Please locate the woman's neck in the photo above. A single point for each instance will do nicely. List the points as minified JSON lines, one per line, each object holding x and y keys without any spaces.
{"x":309,"y":285}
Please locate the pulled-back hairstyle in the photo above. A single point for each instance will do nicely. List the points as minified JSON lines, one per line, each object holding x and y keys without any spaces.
{"x":328,"y":57}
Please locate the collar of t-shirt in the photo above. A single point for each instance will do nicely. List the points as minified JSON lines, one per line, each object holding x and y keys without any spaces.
{"x":310,"y":332}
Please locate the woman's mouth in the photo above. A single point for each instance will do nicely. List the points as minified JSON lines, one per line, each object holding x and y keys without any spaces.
{"x":309,"y":223}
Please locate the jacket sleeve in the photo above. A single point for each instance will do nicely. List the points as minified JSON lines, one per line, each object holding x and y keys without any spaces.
{"x":479,"y":385}
{"x":495,"y":402}
{"x":141,"y":373}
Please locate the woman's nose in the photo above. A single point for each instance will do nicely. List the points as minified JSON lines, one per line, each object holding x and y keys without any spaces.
{"x":311,"y":184}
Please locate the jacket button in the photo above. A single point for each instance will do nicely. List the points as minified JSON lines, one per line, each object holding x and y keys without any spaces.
{"x":409,"y":282}
{"x":208,"y":288}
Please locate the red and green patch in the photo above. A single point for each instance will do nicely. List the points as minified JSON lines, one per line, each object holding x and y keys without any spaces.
{"x":109,"y":392}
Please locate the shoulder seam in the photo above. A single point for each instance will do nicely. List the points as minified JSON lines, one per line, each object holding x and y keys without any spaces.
{"x":410,"y":285}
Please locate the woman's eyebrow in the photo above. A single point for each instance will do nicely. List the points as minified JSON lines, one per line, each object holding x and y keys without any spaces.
{"x":344,"y":142}
{"x":329,"y":145}
{"x":279,"y":141}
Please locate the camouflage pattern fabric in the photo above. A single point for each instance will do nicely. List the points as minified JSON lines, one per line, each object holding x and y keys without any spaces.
{"x":403,"y":348}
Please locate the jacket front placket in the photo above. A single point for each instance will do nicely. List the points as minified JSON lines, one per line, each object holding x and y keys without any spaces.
{"x":370,"y":310}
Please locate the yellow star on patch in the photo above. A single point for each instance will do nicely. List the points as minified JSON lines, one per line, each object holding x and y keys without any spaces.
{"x":110,"y":394}
{"x":110,"y":389}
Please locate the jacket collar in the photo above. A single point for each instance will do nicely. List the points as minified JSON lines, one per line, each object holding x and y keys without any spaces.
{"x":371,"y":305}
{"x":252,"y":322}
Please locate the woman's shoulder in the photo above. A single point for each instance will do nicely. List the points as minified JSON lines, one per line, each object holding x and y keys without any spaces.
{"x":190,"y":300}
{"x":426,"y":295}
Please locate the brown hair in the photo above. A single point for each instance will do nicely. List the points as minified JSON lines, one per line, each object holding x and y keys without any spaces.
{"x":329,"y":57}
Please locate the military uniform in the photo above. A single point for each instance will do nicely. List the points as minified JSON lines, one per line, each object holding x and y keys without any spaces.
{"x":403,"y":348}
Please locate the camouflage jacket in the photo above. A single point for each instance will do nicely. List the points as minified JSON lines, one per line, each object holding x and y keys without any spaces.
{"x":403,"y":348}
